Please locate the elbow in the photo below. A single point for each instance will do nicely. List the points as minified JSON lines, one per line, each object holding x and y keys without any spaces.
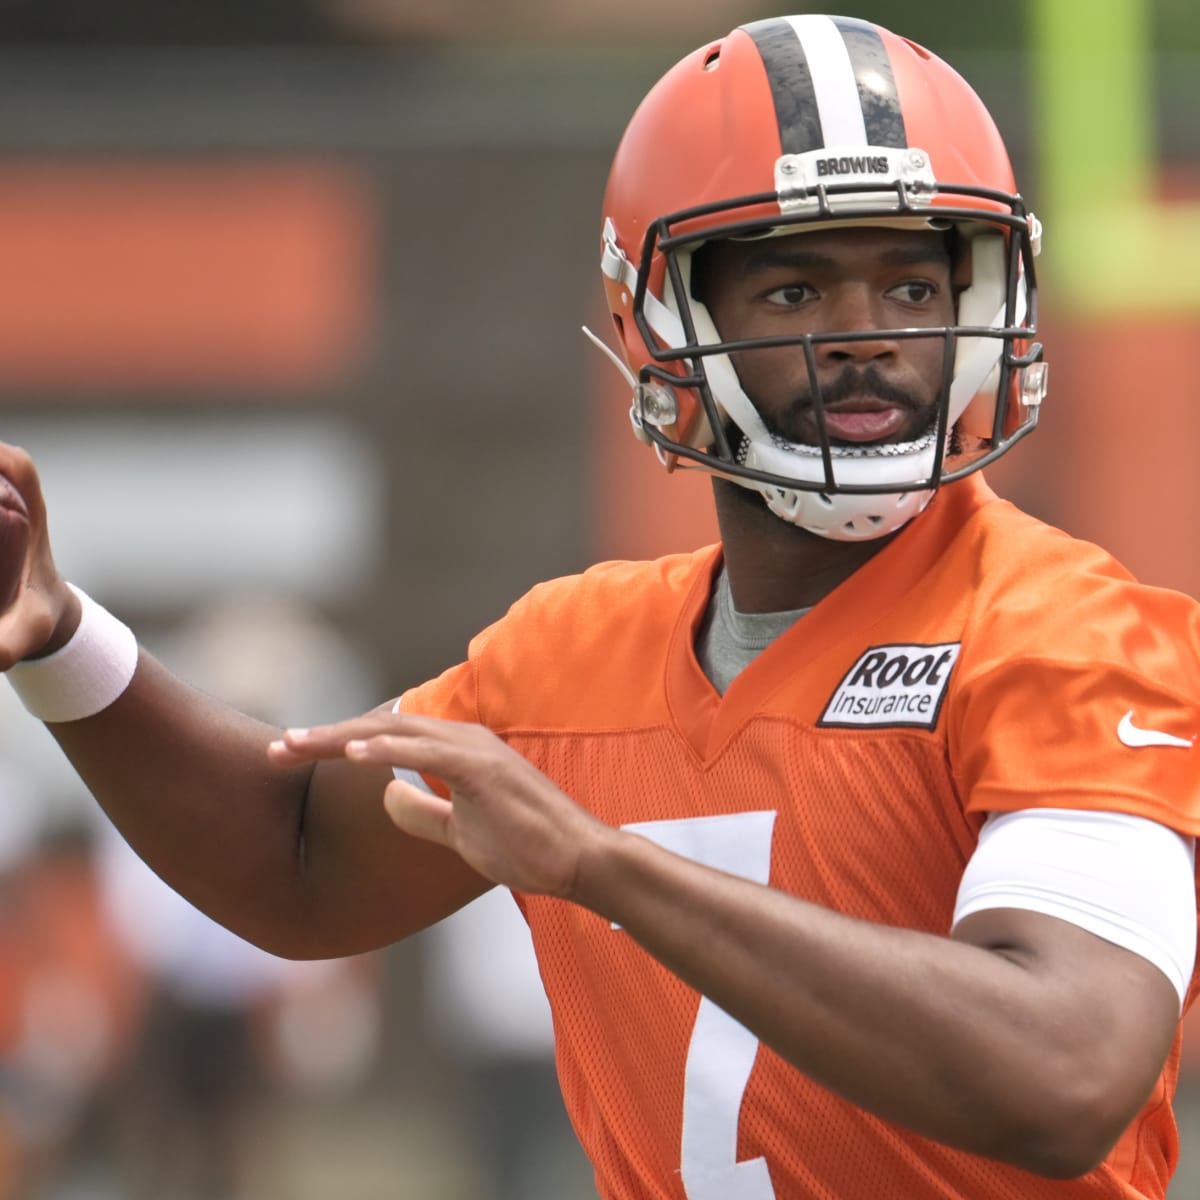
{"x":300,"y":940}
{"x":280,"y":940}
{"x":1054,"y":1153}
{"x":291,"y":927}
{"x":1068,"y":1132}
{"x":1068,"y":1157}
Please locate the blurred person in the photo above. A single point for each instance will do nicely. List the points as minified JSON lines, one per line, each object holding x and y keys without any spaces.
{"x":70,"y":999}
{"x":228,"y":1032}
{"x":191,"y":1101}
{"x":858,"y":849}
{"x":70,"y":1004}
{"x":227,"y":1024}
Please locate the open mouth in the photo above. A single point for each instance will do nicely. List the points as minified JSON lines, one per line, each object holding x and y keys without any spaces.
{"x":865,"y":423}
{"x":859,"y":408}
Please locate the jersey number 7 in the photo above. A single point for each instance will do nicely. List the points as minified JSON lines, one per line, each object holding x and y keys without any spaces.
{"x":721,"y":1052}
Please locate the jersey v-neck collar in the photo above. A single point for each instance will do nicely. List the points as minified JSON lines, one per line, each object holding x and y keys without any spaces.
{"x":706,"y":719}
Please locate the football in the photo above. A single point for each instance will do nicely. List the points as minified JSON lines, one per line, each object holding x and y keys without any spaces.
{"x":14,"y":541}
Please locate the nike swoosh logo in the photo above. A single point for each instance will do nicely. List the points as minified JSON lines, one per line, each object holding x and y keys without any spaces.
{"x":1131,"y":735}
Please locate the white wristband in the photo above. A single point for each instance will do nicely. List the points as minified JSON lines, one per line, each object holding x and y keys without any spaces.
{"x":84,"y":676}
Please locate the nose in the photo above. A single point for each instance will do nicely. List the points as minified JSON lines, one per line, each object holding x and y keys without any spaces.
{"x":853,"y":308}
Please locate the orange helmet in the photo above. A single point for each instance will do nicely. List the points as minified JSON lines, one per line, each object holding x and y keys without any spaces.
{"x":806,"y":122}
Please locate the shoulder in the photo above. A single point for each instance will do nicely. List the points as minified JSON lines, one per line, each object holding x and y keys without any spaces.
{"x":570,"y":646}
{"x":671,"y":574}
{"x":1005,"y":544}
{"x":1062,"y":649}
{"x":1041,"y":591}
{"x":607,"y":594}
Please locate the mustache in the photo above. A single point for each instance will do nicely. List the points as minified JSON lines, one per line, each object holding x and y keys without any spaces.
{"x":856,"y":383}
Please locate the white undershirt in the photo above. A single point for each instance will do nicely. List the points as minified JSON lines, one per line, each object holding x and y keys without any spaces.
{"x":1128,"y":880}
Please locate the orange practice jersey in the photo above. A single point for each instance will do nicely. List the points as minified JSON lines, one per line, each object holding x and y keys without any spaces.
{"x":982,"y":661}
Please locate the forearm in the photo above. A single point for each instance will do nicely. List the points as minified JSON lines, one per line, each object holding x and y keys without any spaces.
{"x":187,"y":782}
{"x":964,"y":1045}
{"x":299,"y":858}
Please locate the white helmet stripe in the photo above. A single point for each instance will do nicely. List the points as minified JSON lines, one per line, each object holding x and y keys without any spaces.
{"x":833,"y":80}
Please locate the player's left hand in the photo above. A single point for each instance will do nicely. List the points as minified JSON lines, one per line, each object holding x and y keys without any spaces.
{"x":503,"y":817}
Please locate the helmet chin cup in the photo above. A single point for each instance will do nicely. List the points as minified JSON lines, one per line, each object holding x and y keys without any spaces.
{"x":843,"y":517}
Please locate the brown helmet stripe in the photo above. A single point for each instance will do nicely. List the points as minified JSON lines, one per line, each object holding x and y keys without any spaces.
{"x":876,"y":83}
{"x":791,"y":84}
{"x":831,"y":81}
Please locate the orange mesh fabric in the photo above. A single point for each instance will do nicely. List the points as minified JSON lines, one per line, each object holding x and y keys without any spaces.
{"x":993,"y":659}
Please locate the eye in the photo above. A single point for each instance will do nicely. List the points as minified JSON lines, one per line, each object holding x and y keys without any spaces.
{"x":913,"y":291}
{"x":791,"y":294}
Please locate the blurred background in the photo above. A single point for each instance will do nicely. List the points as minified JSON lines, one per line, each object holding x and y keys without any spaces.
{"x":290,"y":321}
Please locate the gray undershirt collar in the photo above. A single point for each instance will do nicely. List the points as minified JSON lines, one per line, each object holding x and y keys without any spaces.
{"x":728,"y":640}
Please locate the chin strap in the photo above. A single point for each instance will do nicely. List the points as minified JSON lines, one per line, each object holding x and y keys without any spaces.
{"x":612,"y":356}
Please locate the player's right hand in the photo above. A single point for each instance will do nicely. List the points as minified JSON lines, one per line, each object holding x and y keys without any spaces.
{"x":38,"y":612}
{"x":504,"y":818}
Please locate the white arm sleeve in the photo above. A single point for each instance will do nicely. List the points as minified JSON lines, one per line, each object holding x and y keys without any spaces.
{"x":1126,"y":879}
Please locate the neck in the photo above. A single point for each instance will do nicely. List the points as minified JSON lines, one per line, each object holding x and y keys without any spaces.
{"x":774,"y":566}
